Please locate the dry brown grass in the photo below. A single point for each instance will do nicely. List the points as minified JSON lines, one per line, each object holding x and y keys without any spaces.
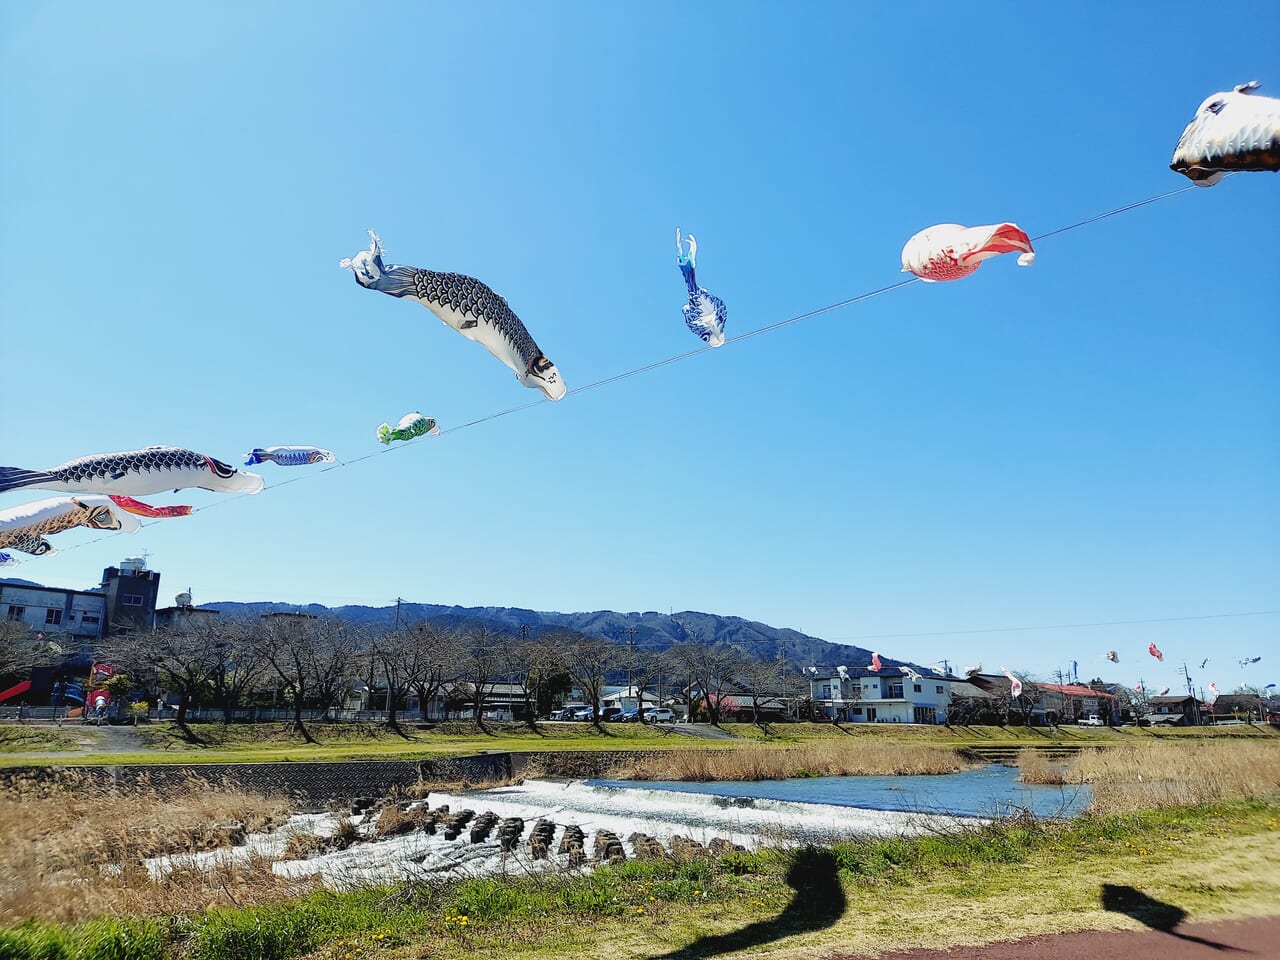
{"x":73,"y":847}
{"x":1034,"y":767}
{"x":1151,"y":775}
{"x":818,"y":759}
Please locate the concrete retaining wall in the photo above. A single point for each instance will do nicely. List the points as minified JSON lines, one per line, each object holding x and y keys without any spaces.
{"x":315,"y":785}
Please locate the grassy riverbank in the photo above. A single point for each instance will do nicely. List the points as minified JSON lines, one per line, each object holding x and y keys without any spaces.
{"x":215,"y":742}
{"x":1142,"y":776}
{"x":30,"y":739}
{"x":995,"y":882}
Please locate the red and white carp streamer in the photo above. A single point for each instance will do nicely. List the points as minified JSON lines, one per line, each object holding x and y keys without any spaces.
{"x":147,"y":510}
{"x":1015,"y":685}
{"x":1163,"y":691}
{"x":1213,"y":689}
{"x":949,"y":251}
{"x":875,"y":662}
{"x":1137,"y":687}
{"x":1155,"y":652}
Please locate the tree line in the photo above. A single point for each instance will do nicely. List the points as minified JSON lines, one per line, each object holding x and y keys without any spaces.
{"x":315,"y":664}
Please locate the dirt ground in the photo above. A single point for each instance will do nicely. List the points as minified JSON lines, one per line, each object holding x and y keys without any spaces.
{"x":1257,"y":937}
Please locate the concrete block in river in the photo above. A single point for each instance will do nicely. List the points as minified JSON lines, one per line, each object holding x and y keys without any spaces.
{"x":482,"y":826}
{"x":608,"y":848}
{"x":509,"y":833}
{"x":646,"y":847}
{"x":540,"y":839}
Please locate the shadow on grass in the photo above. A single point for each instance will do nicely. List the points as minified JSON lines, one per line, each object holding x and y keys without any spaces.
{"x":190,"y":736}
{"x":818,"y":903}
{"x":1156,"y":914}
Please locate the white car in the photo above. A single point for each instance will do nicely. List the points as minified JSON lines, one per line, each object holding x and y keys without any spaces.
{"x":660,"y":715}
{"x":1093,"y":720}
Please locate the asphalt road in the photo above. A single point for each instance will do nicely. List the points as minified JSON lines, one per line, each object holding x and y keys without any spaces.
{"x":1258,"y":937}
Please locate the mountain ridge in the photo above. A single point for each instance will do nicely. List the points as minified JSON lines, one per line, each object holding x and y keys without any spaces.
{"x":653,"y":630}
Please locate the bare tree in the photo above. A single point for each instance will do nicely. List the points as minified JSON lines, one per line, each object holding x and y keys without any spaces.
{"x":285,"y":645}
{"x":412,"y":658}
{"x":762,"y":680}
{"x":540,"y":669}
{"x":241,"y":665}
{"x":334,"y":654}
{"x":588,"y":660}
{"x":439,"y":662}
{"x":711,"y":667}
{"x":183,"y":660}
{"x":22,"y":648}
{"x":485,"y":659}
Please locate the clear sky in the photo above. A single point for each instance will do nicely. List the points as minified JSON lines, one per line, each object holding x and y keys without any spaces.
{"x":1095,"y":438}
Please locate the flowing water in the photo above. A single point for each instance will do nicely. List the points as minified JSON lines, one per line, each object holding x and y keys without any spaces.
{"x":750,"y":814}
{"x":984,"y":792}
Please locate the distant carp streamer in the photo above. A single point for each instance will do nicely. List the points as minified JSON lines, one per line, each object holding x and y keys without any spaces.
{"x":134,"y":473}
{"x":298,"y":456}
{"x":469,"y":307}
{"x":948,"y":251}
{"x":411,"y":425}
{"x":25,"y":528}
{"x":705,"y":315}
{"x":1236,"y":130}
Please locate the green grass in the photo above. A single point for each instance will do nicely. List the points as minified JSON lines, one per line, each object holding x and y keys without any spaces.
{"x":274,"y":742}
{"x":1035,"y":876}
{"x":27,"y":739}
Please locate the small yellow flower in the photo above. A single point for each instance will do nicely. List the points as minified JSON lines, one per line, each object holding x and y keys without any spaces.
{"x":639,"y":909}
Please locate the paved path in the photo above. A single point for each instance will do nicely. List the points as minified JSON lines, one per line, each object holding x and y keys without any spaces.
{"x":90,"y":739}
{"x":1258,"y":937}
{"x":700,"y":731}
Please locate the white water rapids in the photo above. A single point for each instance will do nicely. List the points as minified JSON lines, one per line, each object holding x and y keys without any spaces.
{"x":661,"y":814}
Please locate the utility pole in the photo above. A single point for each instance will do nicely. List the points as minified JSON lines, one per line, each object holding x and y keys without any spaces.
{"x":1191,"y":691}
{"x":631,"y":651}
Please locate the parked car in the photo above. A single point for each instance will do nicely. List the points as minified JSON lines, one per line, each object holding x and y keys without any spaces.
{"x":659,"y":715}
{"x":584,"y":713}
{"x":628,"y":716}
{"x":1092,"y":720}
{"x":611,"y":713}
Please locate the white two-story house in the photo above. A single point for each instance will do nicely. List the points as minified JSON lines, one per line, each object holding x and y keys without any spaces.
{"x":889,"y":696}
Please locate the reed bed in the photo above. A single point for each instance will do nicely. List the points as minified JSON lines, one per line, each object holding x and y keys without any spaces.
{"x":1154,"y":775}
{"x":73,"y":848}
{"x":819,"y":759}
{"x":1034,"y":767}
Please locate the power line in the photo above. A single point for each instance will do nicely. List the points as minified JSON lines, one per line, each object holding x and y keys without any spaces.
{"x":1054,"y":626}
{"x":649,"y":367}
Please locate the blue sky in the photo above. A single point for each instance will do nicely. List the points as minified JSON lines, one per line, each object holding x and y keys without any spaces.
{"x":1091,"y":439}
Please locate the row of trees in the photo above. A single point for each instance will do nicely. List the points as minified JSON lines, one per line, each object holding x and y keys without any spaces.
{"x":316,"y":664}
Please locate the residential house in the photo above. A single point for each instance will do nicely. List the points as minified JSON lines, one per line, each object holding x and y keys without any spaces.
{"x":502,"y":701}
{"x":890,"y":696}
{"x":1238,"y":706}
{"x":1028,"y":707}
{"x":1069,"y":702}
{"x":970,"y":704}
{"x":1176,"y":711}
